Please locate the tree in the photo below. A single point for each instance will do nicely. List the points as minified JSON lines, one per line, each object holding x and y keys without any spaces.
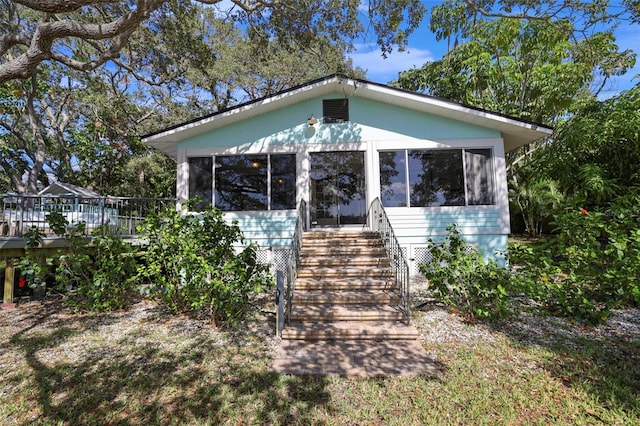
{"x":530,"y":70}
{"x":79,"y":127}
{"x":182,"y":60}
{"x":596,"y":153}
{"x":85,"y":34}
{"x":535,"y":60}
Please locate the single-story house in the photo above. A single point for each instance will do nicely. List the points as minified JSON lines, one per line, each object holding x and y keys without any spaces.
{"x":69,"y":190}
{"x":339,"y":143}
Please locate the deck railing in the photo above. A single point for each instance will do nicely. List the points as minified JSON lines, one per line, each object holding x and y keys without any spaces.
{"x":294,"y":255}
{"x":378,"y":221}
{"x":113,"y":215}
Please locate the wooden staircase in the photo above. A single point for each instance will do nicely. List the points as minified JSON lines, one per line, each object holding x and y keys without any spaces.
{"x":345,"y":290}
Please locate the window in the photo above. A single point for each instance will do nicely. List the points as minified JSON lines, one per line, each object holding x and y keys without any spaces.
{"x":241,"y":182}
{"x":255,"y":182}
{"x":201,"y":180}
{"x":335,"y":110}
{"x":283,"y":182}
{"x":438,"y":177}
{"x":393,"y":178}
{"x":435,"y":178}
{"x":479,"y":172}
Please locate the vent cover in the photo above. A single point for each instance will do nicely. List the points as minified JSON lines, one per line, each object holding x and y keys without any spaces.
{"x":335,"y":110}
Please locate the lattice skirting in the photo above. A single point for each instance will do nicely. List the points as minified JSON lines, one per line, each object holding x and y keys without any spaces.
{"x":418,"y":254}
{"x":278,"y":257}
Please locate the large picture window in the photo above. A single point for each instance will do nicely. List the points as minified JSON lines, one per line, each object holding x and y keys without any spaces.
{"x":438,"y":177}
{"x":244,"y":182}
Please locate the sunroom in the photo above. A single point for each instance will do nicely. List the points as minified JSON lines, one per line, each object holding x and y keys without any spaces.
{"x":338,"y":144}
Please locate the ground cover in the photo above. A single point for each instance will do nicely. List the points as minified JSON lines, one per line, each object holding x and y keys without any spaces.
{"x":143,"y":366}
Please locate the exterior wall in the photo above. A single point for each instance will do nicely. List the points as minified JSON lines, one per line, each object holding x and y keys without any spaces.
{"x":373,"y":126}
{"x":268,"y":229}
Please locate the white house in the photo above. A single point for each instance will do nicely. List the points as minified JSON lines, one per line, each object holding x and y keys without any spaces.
{"x":339,"y":143}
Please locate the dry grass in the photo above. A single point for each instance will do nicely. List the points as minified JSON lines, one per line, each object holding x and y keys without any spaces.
{"x":145,"y":367}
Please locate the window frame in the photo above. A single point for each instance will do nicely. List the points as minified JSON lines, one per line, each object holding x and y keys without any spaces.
{"x":465,"y":176}
{"x":268,"y":177}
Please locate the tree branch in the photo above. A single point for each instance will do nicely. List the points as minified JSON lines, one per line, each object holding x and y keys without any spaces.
{"x":40,"y":44}
{"x":46,"y":33}
{"x":60,"y":6}
{"x":7,"y":41}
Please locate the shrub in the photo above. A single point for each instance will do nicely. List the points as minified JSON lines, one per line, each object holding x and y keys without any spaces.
{"x":589,"y":266}
{"x":33,"y":265}
{"x":190,"y":264}
{"x":97,"y":276}
{"x":460,"y":277}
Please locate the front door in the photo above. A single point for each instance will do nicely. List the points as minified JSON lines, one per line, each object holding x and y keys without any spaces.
{"x":337,"y":188}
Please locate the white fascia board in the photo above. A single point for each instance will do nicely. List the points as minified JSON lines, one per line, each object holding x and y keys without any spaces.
{"x":515,"y":133}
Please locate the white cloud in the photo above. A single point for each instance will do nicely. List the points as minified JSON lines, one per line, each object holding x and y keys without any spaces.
{"x":384,"y":70}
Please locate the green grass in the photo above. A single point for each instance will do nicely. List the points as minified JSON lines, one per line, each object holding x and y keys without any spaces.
{"x":60,"y":368}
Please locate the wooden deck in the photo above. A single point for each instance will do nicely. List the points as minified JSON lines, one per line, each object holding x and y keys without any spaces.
{"x":13,"y":248}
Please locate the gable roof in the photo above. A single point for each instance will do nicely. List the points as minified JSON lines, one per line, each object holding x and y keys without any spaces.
{"x":61,"y":188}
{"x":515,"y":132}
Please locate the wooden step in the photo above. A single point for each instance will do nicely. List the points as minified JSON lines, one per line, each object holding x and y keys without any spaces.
{"x":354,"y":312}
{"x":344,"y":261}
{"x":353,"y":243}
{"x":321,"y":235}
{"x":344,"y":297}
{"x":360,"y":284}
{"x":343,"y":272}
{"x":350,"y":330}
{"x":338,"y":250}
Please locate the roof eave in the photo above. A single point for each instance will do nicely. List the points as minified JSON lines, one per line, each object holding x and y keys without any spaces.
{"x":515,"y":132}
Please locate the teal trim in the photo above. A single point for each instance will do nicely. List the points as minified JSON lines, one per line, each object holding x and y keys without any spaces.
{"x":287,"y":126}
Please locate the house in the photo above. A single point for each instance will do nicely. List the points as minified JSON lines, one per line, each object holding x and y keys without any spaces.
{"x":339,"y":143}
{"x":19,"y":213}
{"x":69,"y":190}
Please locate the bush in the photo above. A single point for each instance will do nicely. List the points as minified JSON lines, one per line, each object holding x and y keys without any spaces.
{"x":97,"y":275}
{"x":190,"y":264}
{"x":589,"y":266}
{"x":460,"y":277}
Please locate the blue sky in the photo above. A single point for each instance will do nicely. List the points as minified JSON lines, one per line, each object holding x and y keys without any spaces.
{"x":423,"y":47}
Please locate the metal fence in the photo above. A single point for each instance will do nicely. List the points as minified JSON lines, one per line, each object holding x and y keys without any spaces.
{"x":113,"y":215}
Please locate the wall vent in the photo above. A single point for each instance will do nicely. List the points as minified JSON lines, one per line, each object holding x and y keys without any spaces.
{"x":335,"y":110}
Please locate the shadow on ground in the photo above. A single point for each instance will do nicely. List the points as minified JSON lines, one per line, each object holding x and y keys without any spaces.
{"x":602,"y":361}
{"x":138,"y":379}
